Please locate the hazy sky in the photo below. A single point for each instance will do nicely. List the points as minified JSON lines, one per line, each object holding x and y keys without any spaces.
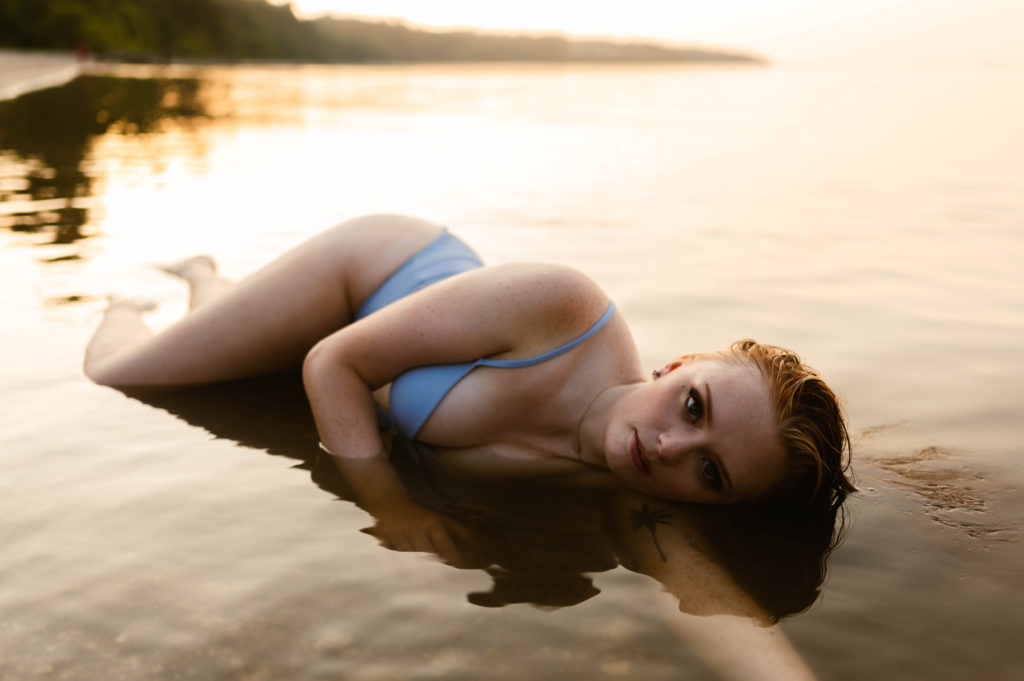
{"x":909,"y":31}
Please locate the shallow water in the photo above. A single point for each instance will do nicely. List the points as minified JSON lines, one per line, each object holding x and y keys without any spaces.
{"x":870,"y":219}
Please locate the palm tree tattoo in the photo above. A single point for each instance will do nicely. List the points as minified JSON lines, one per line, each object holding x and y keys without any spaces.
{"x":651,"y":518}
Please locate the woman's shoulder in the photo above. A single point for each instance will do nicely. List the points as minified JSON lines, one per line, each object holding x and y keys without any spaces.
{"x":550,"y":288}
{"x":541,"y":272}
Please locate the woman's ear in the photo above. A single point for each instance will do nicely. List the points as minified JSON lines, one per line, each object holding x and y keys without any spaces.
{"x":668,"y":368}
{"x":672,"y":366}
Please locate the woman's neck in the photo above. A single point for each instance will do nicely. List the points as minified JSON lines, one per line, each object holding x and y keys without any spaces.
{"x":594,"y":422}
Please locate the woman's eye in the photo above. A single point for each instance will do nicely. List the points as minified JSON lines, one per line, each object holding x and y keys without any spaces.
{"x":711,"y":474}
{"x":694,"y":407}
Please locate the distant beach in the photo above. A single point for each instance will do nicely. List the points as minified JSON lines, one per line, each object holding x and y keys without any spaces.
{"x":22,"y":72}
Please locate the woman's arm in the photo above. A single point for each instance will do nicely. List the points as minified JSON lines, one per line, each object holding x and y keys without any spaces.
{"x":736,"y":647}
{"x":519,"y":309}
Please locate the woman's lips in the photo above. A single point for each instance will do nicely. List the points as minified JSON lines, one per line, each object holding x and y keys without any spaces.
{"x":636,"y":453}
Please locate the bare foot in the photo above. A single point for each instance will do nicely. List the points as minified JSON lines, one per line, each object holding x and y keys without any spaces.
{"x":197,"y":265}
{"x":137,"y":303}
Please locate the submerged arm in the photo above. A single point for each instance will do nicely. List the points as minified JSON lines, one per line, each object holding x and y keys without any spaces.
{"x":701,"y":602}
{"x":737,"y":647}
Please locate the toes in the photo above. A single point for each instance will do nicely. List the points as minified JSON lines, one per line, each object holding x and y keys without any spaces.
{"x":190,"y":266}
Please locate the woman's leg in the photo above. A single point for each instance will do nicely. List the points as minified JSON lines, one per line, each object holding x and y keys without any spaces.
{"x":267,"y":321}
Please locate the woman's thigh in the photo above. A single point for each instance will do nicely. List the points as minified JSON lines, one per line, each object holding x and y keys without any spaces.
{"x":269,"y":320}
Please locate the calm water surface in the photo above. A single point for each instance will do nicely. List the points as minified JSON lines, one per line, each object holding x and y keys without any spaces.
{"x":870,"y":219}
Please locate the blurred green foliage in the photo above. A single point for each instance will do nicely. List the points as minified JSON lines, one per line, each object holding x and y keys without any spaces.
{"x":231,"y":30}
{"x":159,"y":29}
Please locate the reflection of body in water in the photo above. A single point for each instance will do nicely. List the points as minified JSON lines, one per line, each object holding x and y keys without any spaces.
{"x":513,"y":372}
{"x":540,"y":541}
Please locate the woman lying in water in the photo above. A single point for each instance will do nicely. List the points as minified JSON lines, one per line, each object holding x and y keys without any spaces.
{"x":519,"y":370}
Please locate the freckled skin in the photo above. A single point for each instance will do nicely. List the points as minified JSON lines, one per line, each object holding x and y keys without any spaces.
{"x":741,"y":435}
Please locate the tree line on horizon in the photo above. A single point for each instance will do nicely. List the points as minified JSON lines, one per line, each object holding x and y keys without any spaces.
{"x":255,"y":30}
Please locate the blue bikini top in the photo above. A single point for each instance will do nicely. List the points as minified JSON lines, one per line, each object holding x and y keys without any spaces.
{"x":417,"y":393}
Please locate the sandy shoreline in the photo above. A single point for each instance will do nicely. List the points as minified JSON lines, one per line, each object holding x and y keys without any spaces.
{"x":22,"y":72}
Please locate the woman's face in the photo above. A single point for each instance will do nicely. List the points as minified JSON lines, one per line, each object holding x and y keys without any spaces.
{"x":704,"y":432}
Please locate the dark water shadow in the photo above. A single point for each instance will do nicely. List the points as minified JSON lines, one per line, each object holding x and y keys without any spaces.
{"x":539,"y":543}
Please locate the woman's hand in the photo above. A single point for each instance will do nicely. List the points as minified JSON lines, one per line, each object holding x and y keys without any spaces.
{"x":402,"y":523}
{"x":408,"y":526}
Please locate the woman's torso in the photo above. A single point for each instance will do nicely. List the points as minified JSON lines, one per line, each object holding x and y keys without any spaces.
{"x":493,"y":420}
{"x":521,"y":422}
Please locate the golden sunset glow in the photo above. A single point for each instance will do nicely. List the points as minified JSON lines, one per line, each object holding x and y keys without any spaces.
{"x":939,"y":32}
{"x":855,"y":195}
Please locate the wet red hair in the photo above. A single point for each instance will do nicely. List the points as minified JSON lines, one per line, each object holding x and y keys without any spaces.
{"x":811,"y":424}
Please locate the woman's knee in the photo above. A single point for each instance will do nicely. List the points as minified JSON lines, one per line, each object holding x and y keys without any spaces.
{"x":108,"y":371}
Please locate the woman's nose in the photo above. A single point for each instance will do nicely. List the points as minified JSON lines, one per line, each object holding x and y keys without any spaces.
{"x":674,"y":444}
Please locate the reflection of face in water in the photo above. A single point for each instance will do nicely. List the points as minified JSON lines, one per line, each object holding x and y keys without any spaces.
{"x":51,"y":133}
{"x":703,"y":432}
{"x":539,"y":544}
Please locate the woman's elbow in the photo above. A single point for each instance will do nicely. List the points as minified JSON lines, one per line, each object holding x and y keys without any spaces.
{"x":312,"y":363}
{"x":323,"y":359}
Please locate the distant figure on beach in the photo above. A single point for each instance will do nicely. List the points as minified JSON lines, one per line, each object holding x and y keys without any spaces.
{"x":511,"y":371}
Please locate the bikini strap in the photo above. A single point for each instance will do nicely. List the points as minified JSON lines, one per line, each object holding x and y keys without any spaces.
{"x":530,"y":361}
